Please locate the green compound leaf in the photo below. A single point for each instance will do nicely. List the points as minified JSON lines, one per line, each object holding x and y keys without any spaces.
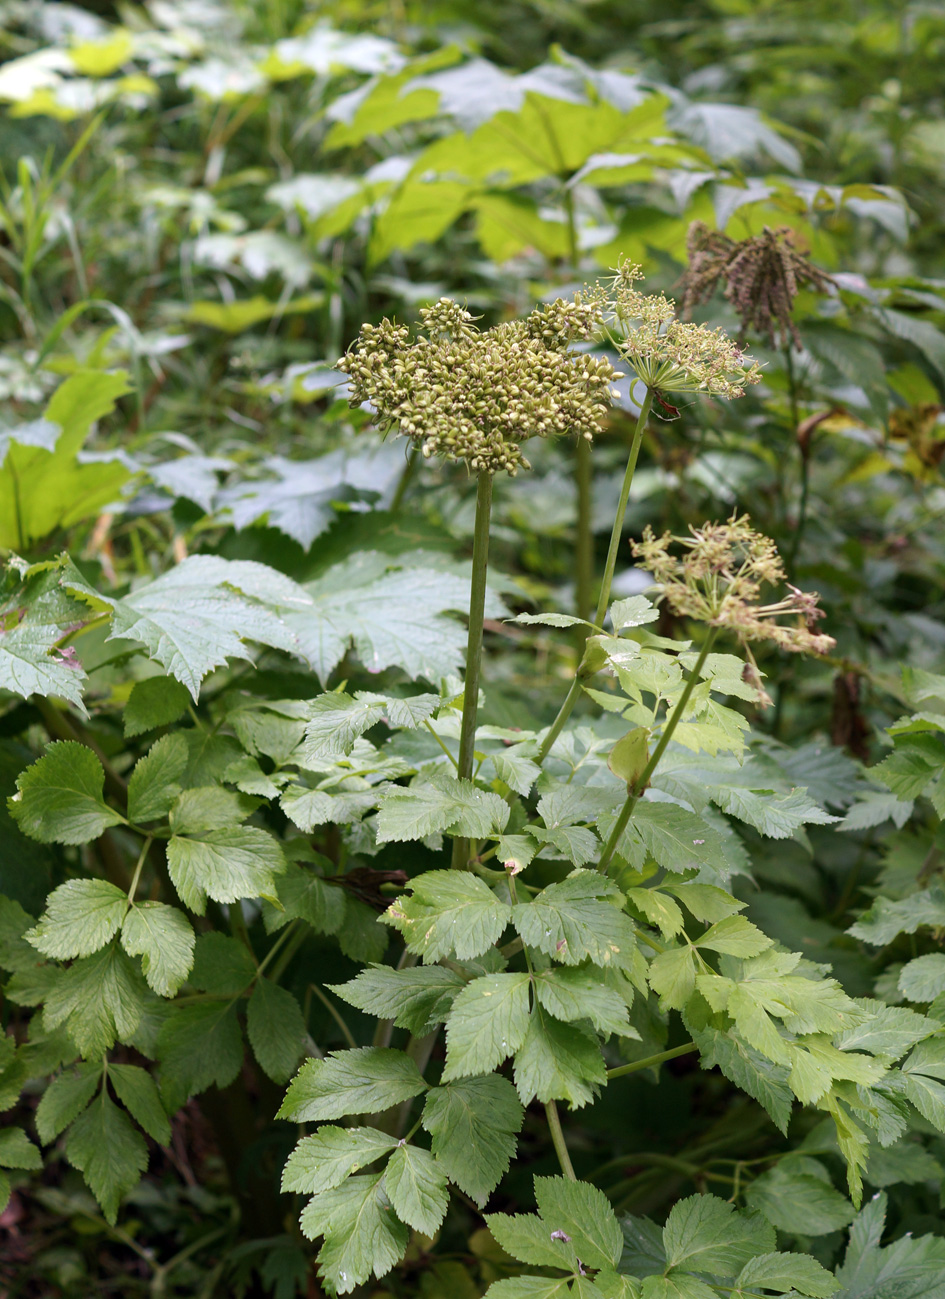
{"x":908,"y":1267}
{"x":569,"y":993}
{"x":474,"y":1124}
{"x":362,"y":1234}
{"x":573,"y":922}
{"x":585,"y":1214}
{"x":153,"y":788}
{"x":885,"y":919}
{"x":735,"y":936}
{"x":161,"y":935}
{"x":156,"y":701}
{"x":441,"y":804}
{"x":240,"y":861}
{"x":60,"y":797}
{"x":924,"y":978}
{"x":416,"y":1187}
{"x":198,"y":1046}
{"x":487,"y":1024}
{"x":98,"y":998}
{"x":559,"y":1062}
{"x":17,"y":1151}
{"x":528,"y":1238}
{"x":111,"y":1154}
{"x":64,"y":1098}
{"x":80,"y":918}
{"x":275,"y":1028}
{"x":304,"y":895}
{"x":138,"y":1092}
{"x":363,"y":1081}
{"x":750,"y":1070}
{"x":798,"y":1196}
{"x":449,"y":912}
{"x":706,"y":1234}
{"x":323,"y":1161}
{"x":416,"y":999}
{"x":787,"y":1272}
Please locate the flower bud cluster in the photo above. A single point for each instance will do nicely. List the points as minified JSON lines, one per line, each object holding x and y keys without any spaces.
{"x":719,"y":577}
{"x":672,"y":355}
{"x":464,"y":394}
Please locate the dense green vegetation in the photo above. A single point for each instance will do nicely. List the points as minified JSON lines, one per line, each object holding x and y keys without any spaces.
{"x":432,"y":791}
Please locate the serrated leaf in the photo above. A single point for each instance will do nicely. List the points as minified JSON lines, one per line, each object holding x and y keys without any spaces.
{"x":672,"y":976}
{"x":735,"y":936}
{"x":706,"y":1234}
{"x":572,"y":922}
{"x":474,"y":1124}
{"x":64,"y":1098}
{"x":886,"y":919}
{"x":362,"y":1081}
{"x":705,"y":901}
{"x":527,"y":1238}
{"x":786,"y":1272}
{"x":440,"y":804}
{"x":676,"y":838}
{"x":416,"y":999}
{"x":335,"y":722}
{"x":750,"y":1070}
{"x":156,"y":701}
{"x":137,"y":1091}
{"x":362,"y":936}
{"x":796,"y":1195}
{"x":585,"y":1214}
{"x":275,"y":1028}
{"x":303,"y":895}
{"x":323,"y":1161}
{"x":871,"y":1271}
{"x":154,"y":785}
{"x":559,"y":1062}
{"x":81,"y":916}
{"x":200,"y":613}
{"x":98,"y":998}
{"x":161,"y":935}
{"x":105,"y":1147}
{"x":226,"y":865}
{"x":17,"y":1151}
{"x":923,"y":978}
{"x":362,"y":1235}
{"x":774,"y":815}
{"x":416,"y":1187}
{"x":60,"y":797}
{"x":203,"y":808}
{"x":449,"y":912}
{"x":222,"y":965}
{"x":914,"y":762}
{"x":570,"y":994}
{"x":198,"y":1046}
{"x":486,"y":1025}
{"x":661,"y":911}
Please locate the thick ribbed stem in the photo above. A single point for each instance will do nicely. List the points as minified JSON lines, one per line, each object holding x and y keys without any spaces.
{"x":477,"y":604}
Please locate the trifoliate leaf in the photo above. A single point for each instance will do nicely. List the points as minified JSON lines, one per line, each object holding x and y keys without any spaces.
{"x":303,"y":895}
{"x":787,"y":1272}
{"x":198,"y":1046}
{"x":569,"y":994}
{"x":774,"y":815}
{"x":585,"y":1214}
{"x":886,"y":1030}
{"x":275,"y":1028}
{"x":34,"y":619}
{"x":796,"y":1195}
{"x":335,"y":723}
{"x":80,"y":918}
{"x":156,"y":701}
{"x":65,"y":1097}
{"x":362,"y":1235}
{"x":449,"y":912}
{"x":735,"y":936}
{"x":748,"y":1069}
{"x":416,"y":999}
{"x":528,"y":1238}
{"x":441,"y":804}
{"x":908,"y":1267}
{"x":137,"y":1091}
{"x":362,"y":1081}
{"x":573,"y":922}
{"x":161,"y":935}
{"x":914,"y":762}
{"x":226,"y":865}
{"x":199,"y":614}
{"x":486,"y":1025}
{"x":98,"y":999}
{"x":886,"y":919}
{"x":706,"y":1234}
{"x":516,"y":769}
{"x":416,"y":1187}
{"x":17,"y":1151}
{"x":109,"y":1152}
{"x":323,"y":1161}
{"x":60,"y":797}
{"x":924,"y":978}
{"x":662,"y":912}
{"x":676,"y":838}
{"x":474,"y":1124}
{"x":559,"y":1062}
{"x":154,"y":785}
{"x":222,"y":965}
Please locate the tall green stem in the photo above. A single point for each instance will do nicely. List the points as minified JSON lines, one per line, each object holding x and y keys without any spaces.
{"x":616,"y":534}
{"x":557,"y":1137}
{"x":477,"y":605}
{"x":584,"y":538}
{"x":640,"y":784}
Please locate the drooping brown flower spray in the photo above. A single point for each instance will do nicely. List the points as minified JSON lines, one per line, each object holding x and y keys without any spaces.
{"x":761,"y":275}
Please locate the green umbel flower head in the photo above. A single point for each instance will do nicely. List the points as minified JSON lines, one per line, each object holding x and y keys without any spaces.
{"x":465,"y":394}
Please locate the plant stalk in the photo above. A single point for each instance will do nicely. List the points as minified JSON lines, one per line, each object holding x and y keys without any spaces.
{"x":584,"y":540}
{"x":603,"y":601}
{"x":557,"y":1137}
{"x":640,"y":784}
{"x":477,"y":604}
{"x":650,"y":1062}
